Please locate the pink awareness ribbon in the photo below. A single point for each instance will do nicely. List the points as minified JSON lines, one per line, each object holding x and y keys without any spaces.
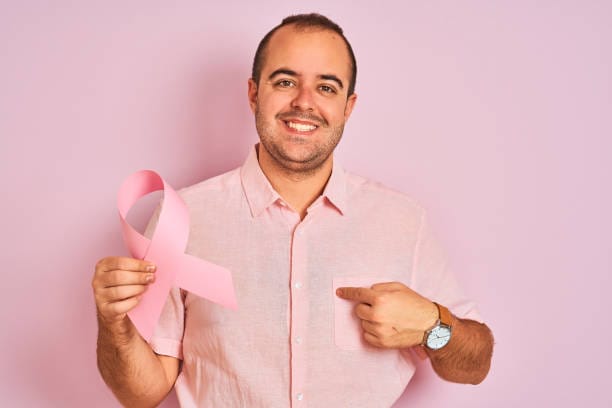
{"x":166,"y":249}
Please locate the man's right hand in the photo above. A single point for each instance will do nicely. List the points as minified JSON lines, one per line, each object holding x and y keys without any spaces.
{"x":128,"y":364}
{"x":118,"y":284}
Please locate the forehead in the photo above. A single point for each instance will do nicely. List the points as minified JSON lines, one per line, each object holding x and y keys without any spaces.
{"x":307,"y":51}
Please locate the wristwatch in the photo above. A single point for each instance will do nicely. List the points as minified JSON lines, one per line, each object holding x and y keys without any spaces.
{"x":440,"y":334}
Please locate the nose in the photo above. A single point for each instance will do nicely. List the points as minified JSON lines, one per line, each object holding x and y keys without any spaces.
{"x":303,"y":99}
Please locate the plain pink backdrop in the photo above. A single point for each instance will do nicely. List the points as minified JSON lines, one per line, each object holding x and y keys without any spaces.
{"x":495,"y":115}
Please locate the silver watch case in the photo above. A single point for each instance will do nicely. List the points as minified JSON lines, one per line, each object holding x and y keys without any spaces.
{"x":438,"y":336}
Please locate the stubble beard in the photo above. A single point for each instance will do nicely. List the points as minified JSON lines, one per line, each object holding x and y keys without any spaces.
{"x":309,"y":162}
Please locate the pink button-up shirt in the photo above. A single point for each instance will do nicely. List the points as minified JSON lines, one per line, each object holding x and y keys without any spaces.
{"x":292,"y":341}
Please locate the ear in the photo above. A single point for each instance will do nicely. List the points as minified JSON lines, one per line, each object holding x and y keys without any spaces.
{"x":350,"y":104}
{"x":252,"y":93}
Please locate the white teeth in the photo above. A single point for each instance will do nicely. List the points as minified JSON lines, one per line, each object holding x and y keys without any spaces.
{"x":301,"y":127}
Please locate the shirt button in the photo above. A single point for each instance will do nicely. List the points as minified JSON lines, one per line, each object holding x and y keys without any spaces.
{"x":298,"y":340}
{"x":298,"y":285}
{"x":299,"y":396}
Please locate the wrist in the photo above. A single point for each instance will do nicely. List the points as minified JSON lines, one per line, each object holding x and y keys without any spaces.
{"x":432,"y":317}
{"x":118,"y":331}
{"x":439,"y":335}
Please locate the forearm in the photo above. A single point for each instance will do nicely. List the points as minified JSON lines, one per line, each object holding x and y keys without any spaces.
{"x":467,"y":357}
{"x":129,"y":366}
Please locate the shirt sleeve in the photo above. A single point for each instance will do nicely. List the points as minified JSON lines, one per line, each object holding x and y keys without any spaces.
{"x":433,"y":278}
{"x":167,"y":337}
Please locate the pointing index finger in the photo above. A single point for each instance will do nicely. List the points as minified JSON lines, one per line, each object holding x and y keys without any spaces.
{"x":363,"y":295}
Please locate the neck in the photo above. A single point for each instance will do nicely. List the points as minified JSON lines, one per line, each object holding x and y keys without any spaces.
{"x":299,"y":189}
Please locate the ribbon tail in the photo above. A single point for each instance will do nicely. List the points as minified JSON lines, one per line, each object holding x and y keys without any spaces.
{"x":207,"y":280}
{"x":143,"y":321}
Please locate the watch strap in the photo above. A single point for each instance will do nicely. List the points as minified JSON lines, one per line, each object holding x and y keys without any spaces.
{"x":445,"y":316}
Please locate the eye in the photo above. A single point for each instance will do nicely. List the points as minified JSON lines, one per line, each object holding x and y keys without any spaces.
{"x":284,"y":83}
{"x":327,"y":89}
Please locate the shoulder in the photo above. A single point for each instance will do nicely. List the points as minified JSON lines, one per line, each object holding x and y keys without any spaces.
{"x":362,"y":188}
{"x":216,"y":186}
{"x":377,"y":198}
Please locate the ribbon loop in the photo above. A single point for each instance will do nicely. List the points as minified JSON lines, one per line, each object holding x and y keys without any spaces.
{"x":166,"y":249}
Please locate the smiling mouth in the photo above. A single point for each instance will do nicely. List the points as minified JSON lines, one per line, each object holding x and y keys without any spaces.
{"x":300,"y":127}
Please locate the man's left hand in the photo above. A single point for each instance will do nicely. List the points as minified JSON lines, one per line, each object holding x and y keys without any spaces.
{"x":392,"y":315}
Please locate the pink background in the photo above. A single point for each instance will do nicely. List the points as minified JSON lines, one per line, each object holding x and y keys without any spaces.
{"x":495,"y":115}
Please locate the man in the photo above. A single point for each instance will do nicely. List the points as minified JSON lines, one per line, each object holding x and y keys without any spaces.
{"x":336,"y":277}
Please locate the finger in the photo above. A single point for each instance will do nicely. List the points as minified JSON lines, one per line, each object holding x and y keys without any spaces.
{"x":124,"y":263}
{"x":364,"y":295}
{"x":372,"y":340}
{"x":371,"y":327}
{"x":388,"y":286}
{"x":364,"y":311}
{"x":120,"y":307}
{"x":120,"y":293}
{"x":380,"y":342}
{"x":379,"y":330}
{"x":119,"y":278}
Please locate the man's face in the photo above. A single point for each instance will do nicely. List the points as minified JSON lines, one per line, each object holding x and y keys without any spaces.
{"x":300,"y":103}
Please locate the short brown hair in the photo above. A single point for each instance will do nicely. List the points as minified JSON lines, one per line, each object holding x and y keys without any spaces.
{"x":312,"y":20}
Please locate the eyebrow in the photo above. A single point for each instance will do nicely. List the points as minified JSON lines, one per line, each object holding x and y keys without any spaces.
{"x":334,"y":78}
{"x":290,"y":72}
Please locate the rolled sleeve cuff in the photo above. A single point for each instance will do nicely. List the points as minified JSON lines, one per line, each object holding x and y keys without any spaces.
{"x":167,"y":347}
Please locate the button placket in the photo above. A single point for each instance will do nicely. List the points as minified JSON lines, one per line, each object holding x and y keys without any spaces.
{"x":299,"y":313}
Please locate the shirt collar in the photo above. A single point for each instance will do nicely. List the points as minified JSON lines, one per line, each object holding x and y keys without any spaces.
{"x":260,"y":194}
{"x":335,"y":190}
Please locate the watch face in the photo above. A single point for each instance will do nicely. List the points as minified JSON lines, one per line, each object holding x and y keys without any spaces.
{"x":438,"y":337}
